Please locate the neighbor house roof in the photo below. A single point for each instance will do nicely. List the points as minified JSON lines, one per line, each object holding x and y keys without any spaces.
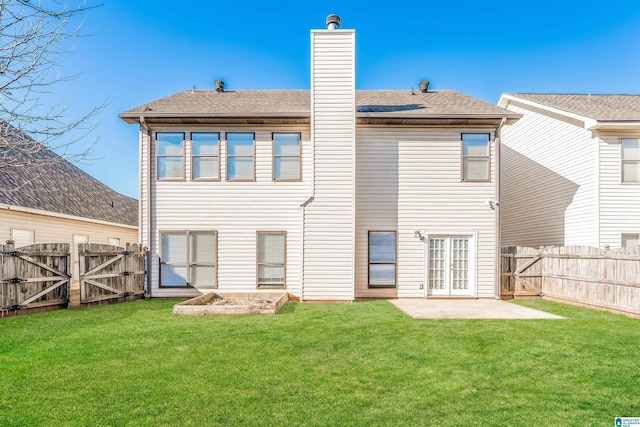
{"x":593,"y":109}
{"x":53,"y":184}
{"x":400,"y":104}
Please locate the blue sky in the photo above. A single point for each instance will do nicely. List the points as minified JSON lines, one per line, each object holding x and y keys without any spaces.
{"x":143,"y":50}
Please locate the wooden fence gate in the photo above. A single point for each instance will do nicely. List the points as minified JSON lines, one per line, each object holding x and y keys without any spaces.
{"x":109,"y":272}
{"x":521,"y":272}
{"x":34,"y":277}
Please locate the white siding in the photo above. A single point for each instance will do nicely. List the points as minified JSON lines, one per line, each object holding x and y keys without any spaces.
{"x":619,"y":203}
{"x":548,"y":193}
{"x":236,"y":210}
{"x":432,"y":197}
{"x":329,"y":218}
{"x":50,"y":229}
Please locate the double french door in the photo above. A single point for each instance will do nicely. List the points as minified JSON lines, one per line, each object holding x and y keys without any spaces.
{"x":450,"y":265}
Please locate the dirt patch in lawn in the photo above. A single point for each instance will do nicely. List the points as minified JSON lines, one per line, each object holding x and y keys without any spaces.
{"x":237,"y":303}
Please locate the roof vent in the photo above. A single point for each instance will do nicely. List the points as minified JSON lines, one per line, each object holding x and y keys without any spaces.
{"x":333,"y":22}
{"x":424,"y":86}
{"x":219,"y":85}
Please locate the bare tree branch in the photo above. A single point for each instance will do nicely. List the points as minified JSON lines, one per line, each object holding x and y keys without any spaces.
{"x":34,"y":35}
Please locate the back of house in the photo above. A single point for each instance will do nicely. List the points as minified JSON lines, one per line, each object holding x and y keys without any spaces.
{"x":330,"y":194}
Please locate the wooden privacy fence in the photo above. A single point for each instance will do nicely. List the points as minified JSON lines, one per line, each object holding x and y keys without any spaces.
{"x":34,"y":277}
{"x":603,"y":278}
{"x":109,"y":272}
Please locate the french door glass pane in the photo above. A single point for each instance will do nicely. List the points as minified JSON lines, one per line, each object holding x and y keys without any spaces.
{"x":460,"y":263}
{"x":436,"y":263}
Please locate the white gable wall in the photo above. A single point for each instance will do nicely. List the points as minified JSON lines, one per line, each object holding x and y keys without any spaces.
{"x":549,"y":170}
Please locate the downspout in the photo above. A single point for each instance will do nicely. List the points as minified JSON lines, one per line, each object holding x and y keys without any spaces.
{"x":147,"y":283}
{"x":498,"y":247}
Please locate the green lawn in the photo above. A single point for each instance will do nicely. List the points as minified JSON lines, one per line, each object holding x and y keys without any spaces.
{"x":354,"y":364}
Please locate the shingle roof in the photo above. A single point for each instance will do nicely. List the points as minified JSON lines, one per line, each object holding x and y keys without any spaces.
{"x":53,"y":184}
{"x":596,"y":107}
{"x":297,"y":103}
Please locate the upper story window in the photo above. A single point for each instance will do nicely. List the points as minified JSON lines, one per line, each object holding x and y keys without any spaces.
{"x":286,"y":156}
{"x":630,"y":159}
{"x":475,"y":157}
{"x":170,"y":155}
{"x":240,"y":156}
{"x":382,"y":259}
{"x":205,"y":155}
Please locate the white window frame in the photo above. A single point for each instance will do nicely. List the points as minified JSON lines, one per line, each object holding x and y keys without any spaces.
{"x":285,"y":156}
{"x":231,"y":157}
{"x":463,"y":158}
{"x":188,"y":263}
{"x":395,"y":260}
{"x":284,"y":261}
{"x":196,"y":156}
{"x":473,"y":257}
{"x":159,"y":156}
{"x":114,"y":241}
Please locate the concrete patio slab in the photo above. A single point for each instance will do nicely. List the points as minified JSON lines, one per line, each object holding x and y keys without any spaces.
{"x":420,"y":308}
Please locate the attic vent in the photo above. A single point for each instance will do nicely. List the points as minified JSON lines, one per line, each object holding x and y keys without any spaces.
{"x":333,"y":22}
{"x":424,"y":86}
{"x":219,"y":85}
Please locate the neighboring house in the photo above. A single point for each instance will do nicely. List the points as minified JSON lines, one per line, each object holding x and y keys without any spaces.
{"x":49,"y":200}
{"x":571,"y":170}
{"x":329,"y":194}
